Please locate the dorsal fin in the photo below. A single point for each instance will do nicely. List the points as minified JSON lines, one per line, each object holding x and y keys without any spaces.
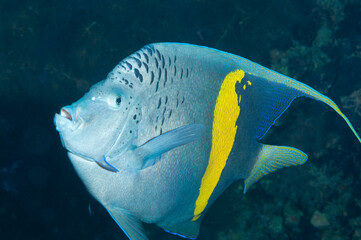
{"x":266,"y":99}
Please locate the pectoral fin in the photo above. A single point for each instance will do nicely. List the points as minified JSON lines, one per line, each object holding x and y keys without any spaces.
{"x":272,"y":158}
{"x":131,"y":226}
{"x":167,"y":141}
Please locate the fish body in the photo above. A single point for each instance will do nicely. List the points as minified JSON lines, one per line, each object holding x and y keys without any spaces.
{"x":171,"y":127}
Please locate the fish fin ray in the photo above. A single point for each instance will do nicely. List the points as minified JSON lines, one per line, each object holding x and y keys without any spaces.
{"x":167,"y":141}
{"x":131,"y":226}
{"x":271,"y":158}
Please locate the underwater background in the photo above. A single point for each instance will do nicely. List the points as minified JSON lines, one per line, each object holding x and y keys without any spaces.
{"x":51,"y":52}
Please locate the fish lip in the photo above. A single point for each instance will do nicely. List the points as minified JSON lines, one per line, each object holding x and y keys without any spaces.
{"x":65,"y":113}
{"x":65,"y":120}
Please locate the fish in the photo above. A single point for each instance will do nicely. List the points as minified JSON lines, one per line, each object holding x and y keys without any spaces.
{"x":171,"y":127}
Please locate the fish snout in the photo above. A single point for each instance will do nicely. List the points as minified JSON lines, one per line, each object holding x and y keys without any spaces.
{"x":66,"y":119}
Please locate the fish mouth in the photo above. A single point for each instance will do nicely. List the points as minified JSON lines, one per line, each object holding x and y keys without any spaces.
{"x":66,"y":114}
{"x":65,"y":120}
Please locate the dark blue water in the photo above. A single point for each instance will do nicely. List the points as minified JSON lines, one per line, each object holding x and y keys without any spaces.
{"x":52,"y":51}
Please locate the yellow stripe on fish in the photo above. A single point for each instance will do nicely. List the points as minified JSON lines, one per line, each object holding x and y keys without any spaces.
{"x":224,"y":130}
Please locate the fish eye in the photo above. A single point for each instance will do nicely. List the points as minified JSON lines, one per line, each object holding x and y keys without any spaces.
{"x":118,"y":100}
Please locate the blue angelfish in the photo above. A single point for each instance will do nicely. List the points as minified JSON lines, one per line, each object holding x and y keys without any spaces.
{"x":171,"y":127}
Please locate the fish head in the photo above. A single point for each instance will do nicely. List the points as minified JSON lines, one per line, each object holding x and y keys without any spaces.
{"x":102,"y":124}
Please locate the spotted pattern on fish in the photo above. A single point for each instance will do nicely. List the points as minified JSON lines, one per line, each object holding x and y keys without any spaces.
{"x":151,"y":67}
